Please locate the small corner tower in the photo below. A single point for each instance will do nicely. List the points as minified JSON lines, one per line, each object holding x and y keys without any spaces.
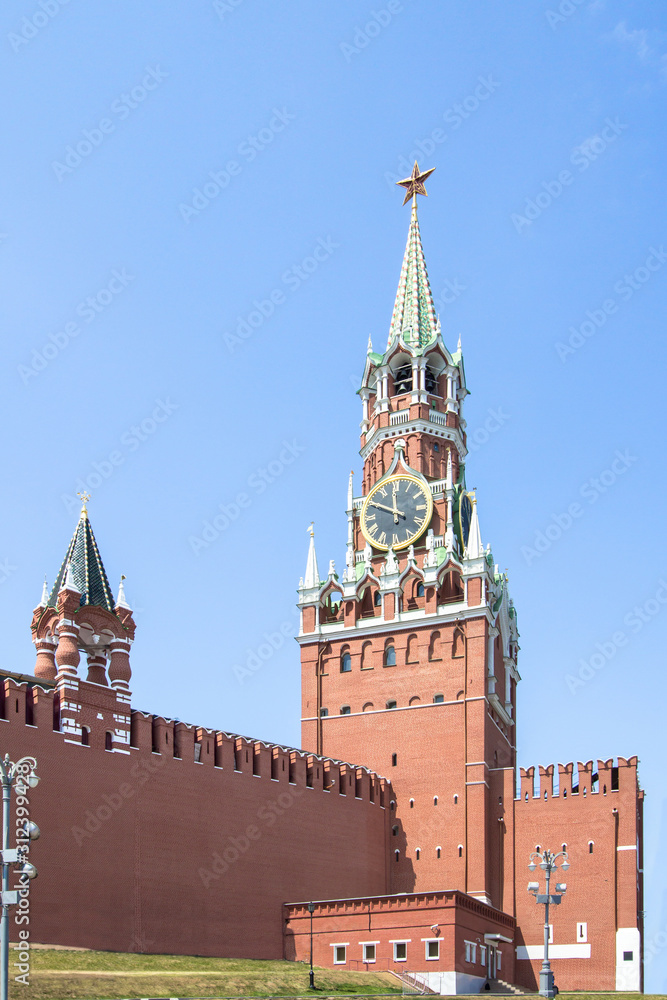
{"x":78,"y":616}
{"x":409,"y":661}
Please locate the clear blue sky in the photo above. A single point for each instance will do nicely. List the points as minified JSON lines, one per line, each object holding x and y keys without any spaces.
{"x":546,"y":212}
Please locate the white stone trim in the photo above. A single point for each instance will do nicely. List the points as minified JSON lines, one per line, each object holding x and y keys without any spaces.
{"x":533,"y":951}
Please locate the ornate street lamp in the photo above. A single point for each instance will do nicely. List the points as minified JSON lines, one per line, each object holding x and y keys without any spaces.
{"x":548,"y":862}
{"x":21,"y":773}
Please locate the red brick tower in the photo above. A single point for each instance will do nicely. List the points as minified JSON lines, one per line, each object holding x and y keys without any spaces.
{"x":409,"y":661}
{"x":80,"y":616}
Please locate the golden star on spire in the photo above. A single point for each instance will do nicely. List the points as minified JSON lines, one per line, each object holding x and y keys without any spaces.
{"x":414,"y":184}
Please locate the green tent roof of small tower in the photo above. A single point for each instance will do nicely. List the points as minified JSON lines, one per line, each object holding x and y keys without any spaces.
{"x":88,"y":573}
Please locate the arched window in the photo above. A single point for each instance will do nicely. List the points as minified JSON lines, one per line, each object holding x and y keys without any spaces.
{"x":394,"y":760}
{"x":451,"y":589}
{"x":394,"y":831}
{"x":415,"y":700}
{"x":397,"y":854}
{"x":85,"y":737}
{"x":460,"y":850}
{"x":108,"y":741}
{"x":431,"y":381}
{"x":590,"y":846}
{"x":412,"y":803}
{"x":411,"y":655}
{"x":438,"y":699}
{"x":435,"y":800}
{"x":391,"y":704}
{"x":324,"y":712}
{"x":366,"y":661}
{"x":377,"y":599}
{"x":367,"y":706}
{"x":420,"y":590}
{"x":438,"y":851}
{"x":344,"y":709}
{"x":417,"y":854}
{"x":456,"y":800}
{"x":403,"y":380}
{"x":390,"y":655}
{"x":434,"y":650}
{"x":457,"y":644}
{"x":345,"y":661}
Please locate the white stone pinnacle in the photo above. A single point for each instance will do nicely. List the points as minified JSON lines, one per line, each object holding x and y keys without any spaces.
{"x":312,"y":577}
{"x":474,"y":547}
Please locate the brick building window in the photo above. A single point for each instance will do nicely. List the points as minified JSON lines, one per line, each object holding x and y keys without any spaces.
{"x":627,"y":956}
{"x":85,"y":736}
{"x":460,"y":850}
{"x":438,"y":699}
{"x":340,"y":954}
{"x":324,"y":712}
{"x":419,"y":592}
{"x":397,"y":855}
{"x":344,"y":709}
{"x":390,"y":655}
{"x":369,"y":953}
{"x":438,"y":852}
{"x":391,"y":704}
{"x":400,"y":951}
{"x":366,"y":661}
{"x":377,"y":599}
{"x":394,"y":759}
{"x":435,"y":800}
{"x":470,"y":951}
{"x":417,"y":854}
{"x":432,"y":951}
{"x":482,"y":954}
{"x":412,"y":803}
{"x":108,"y":741}
{"x":590,"y":846}
{"x":394,"y":831}
{"x":345,"y":663}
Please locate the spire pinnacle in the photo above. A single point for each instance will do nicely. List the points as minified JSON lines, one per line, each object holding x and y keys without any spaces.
{"x":45,"y":595}
{"x":414,"y":319}
{"x":312,"y":577}
{"x":474,"y":547}
{"x":121,"y":600}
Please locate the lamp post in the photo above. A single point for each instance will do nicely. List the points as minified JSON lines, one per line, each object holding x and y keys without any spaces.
{"x":548,"y":862}
{"x":311,"y":982}
{"x":22,"y":773}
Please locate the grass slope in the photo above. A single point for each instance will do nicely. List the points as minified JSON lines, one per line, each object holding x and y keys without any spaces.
{"x":84,"y":975}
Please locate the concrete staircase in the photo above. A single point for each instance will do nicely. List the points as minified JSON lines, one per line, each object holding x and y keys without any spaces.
{"x":500,"y":988}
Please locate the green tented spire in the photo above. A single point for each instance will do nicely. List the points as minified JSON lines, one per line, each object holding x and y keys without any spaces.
{"x":414,"y":318}
{"x":86,"y":569}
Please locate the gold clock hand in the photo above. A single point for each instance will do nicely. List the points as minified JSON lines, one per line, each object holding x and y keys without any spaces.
{"x":392,"y":510}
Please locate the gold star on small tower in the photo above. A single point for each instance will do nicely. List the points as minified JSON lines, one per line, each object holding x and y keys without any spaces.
{"x":414,"y":184}
{"x":85,"y":497}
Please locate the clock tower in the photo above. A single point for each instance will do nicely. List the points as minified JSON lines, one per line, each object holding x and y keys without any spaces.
{"x":409,"y":657}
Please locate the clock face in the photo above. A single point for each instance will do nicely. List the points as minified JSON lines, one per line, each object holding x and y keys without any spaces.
{"x":396,"y":512}
{"x":465,"y":515}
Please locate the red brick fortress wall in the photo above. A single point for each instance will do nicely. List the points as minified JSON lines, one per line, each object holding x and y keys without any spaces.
{"x":192,"y":849}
